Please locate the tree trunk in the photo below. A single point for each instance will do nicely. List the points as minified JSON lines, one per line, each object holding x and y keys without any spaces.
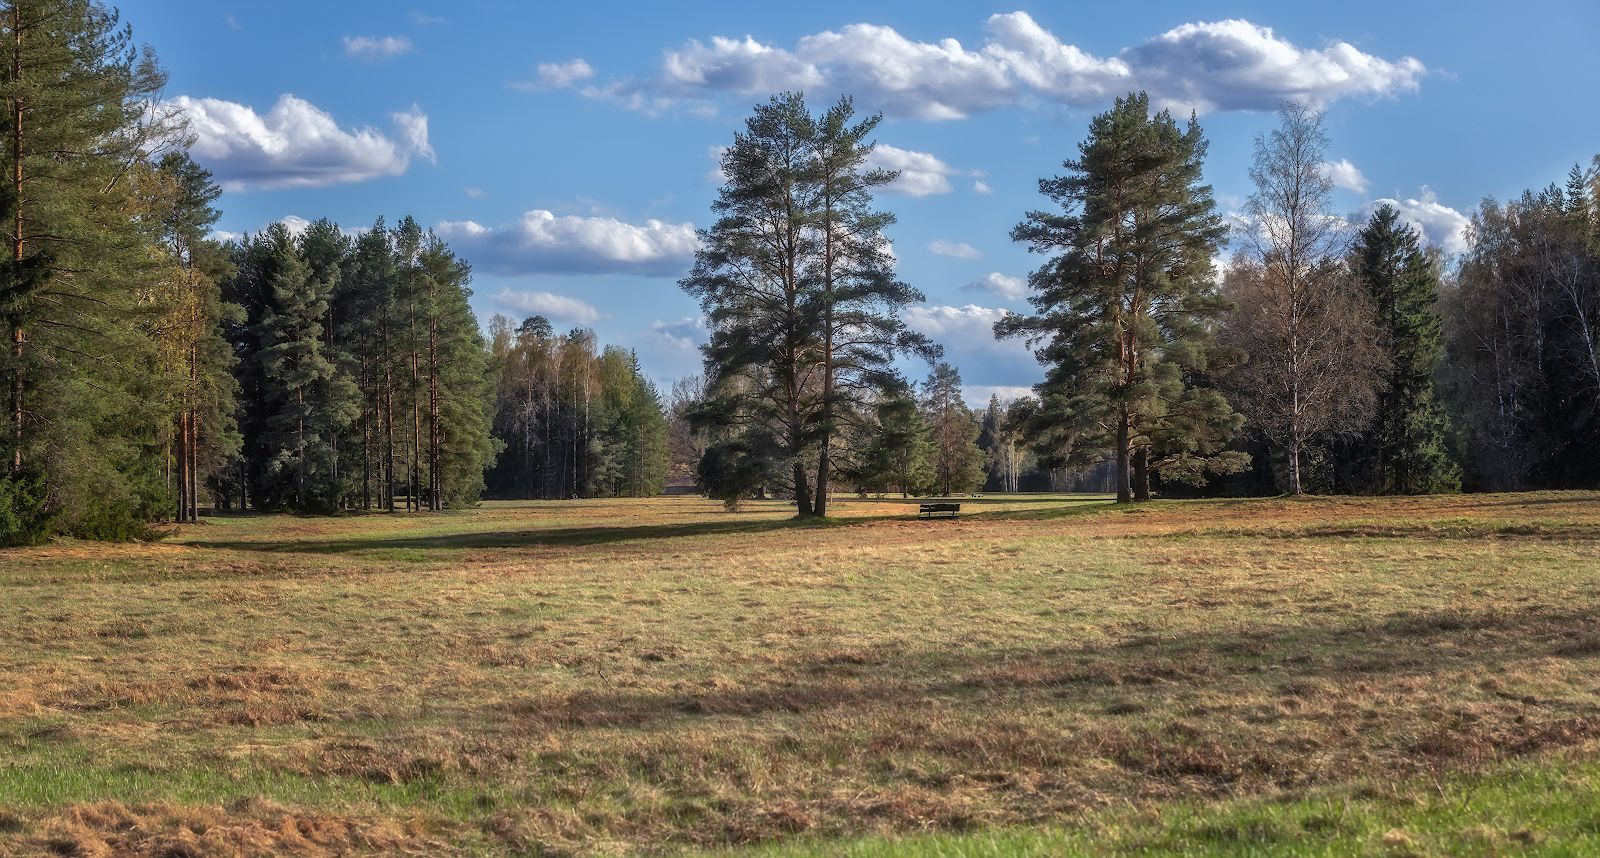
{"x":18,"y":334}
{"x":181,"y":454}
{"x":802,"y":491}
{"x":1294,"y":467}
{"x":1141,"y":474}
{"x":1123,"y":455}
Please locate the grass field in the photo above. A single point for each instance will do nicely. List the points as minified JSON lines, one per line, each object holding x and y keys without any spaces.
{"x":1047,"y":675}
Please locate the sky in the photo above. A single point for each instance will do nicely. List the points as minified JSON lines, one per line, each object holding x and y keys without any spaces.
{"x":568,"y":150}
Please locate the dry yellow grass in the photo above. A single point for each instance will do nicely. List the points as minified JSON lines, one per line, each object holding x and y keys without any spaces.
{"x":611,"y":676}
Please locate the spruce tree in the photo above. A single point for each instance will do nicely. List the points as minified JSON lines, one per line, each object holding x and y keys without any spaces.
{"x":900,"y":453}
{"x":293,"y":445}
{"x":956,"y":461}
{"x":1125,"y":307}
{"x":1407,"y":449}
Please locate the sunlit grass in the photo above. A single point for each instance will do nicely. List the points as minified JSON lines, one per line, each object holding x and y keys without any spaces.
{"x":1044,"y":674}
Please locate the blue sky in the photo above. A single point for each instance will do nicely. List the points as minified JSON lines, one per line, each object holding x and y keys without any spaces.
{"x":567,"y":149}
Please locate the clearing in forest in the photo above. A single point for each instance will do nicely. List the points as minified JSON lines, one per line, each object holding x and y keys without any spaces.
{"x":1044,"y":675}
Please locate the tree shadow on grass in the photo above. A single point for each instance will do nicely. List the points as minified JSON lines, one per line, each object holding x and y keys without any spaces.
{"x":606,"y":535}
{"x":530,"y":538}
{"x":1287,"y":661}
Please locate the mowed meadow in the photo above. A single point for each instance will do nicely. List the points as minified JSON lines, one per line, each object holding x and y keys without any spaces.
{"x":1045,"y":675}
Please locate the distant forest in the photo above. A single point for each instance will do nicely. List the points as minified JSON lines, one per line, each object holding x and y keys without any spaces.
{"x":152,"y":370}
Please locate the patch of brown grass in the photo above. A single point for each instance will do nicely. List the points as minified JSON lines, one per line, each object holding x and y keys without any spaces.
{"x":245,"y":829}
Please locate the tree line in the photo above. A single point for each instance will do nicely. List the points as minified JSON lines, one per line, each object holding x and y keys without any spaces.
{"x":151,"y":369}
{"x":1323,"y":356}
{"x":576,"y":420}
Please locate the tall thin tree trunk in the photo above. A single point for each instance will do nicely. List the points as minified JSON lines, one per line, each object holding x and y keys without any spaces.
{"x":181,"y":455}
{"x":18,"y":334}
{"x":1123,"y":454}
{"x":1141,"y":474}
{"x":1294,"y":467}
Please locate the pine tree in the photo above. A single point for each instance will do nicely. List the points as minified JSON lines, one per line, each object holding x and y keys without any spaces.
{"x":460,"y":393}
{"x":85,"y":403}
{"x":1124,"y":309}
{"x":293,"y":451}
{"x":857,"y":296}
{"x":205,"y":436}
{"x":1407,"y":449}
{"x":895,"y":448}
{"x":957,"y":462}
{"x":750,"y":277}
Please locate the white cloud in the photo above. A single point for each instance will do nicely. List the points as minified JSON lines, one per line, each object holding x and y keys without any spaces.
{"x":685,"y":334}
{"x":476,"y":193}
{"x":425,"y":20}
{"x":967,"y":334}
{"x":295,"y":224}
{"x":292,"y":222}
{"x":921,"y":174}
{"x":1216,"y":65}
{"x":1000,"y":285}
{"x":376,"y":47}
{"x":977,"y":395}
{"x":556,"y":76}
{"x":970,"y":327}
{"x":296,"y":144}
{"x":981,"y":187}
{"x":557,"y":308}
{"x":413,"y":126}
{"x":716,"y":176}
{"x":956,"y":249}
{"x":1237,"y":65}
{"x":1344,"y":174}
{"x":543,"y":243}
{"x":1440,"y":225}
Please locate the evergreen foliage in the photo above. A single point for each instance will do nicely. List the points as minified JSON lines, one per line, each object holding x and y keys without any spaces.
{"x":1125,"y":307}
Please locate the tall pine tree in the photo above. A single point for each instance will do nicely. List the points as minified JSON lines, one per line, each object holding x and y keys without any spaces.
{"x":1125,"y":307}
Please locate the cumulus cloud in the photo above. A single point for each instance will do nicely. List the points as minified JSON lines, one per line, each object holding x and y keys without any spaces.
{"x":556,"y":76}
{"x":1440,"y":225}
{"x":1210,"y":65}
{"x":543,"y":243}
{"x":981,"y":187}
{"x":376,"y":47}
{"x":999,"y":285}
{"x":296,"y":144}
{"x":921,"y":174}
{"x":1238,"y":65}
{"x":1344,"y":174}
{"x":557,"y":308}
{"x":955,"y":249}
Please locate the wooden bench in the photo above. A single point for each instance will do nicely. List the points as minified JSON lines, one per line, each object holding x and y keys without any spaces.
{"x":928,"y":510}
